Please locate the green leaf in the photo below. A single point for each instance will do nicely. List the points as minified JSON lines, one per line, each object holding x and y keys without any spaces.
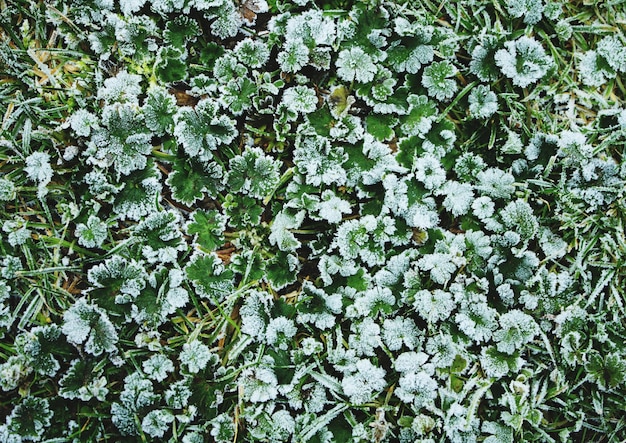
{"x":381,"y":126}
{"x":320,"y":422}
{"x":79,"y":374}
{"x":282,"y":270}
{"x":189,"y":180}
{"x":283,"y":309}
{"x":171,"y":66}
{"x":238,"y":93}
{"x":249,"y":264}
{"x":180,"y":30}
{"x":607,"y":372}
{"x":283,"y":368}
{"x":209,"y":277}
{"x":159,"y":110}
{"x":458,"y":365}
{"x":321,"y":120}
{"x":159,"y":230}
{"x":208,"y":228}
{"x":242,"y":211}
{"x":358,"y":281}
{"x":421,"y":115}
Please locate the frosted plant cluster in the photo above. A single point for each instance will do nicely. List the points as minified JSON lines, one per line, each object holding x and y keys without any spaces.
{"x":344,"y":221}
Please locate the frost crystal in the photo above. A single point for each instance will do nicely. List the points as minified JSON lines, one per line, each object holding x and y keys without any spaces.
{"x":519,"y":216}
{"x":434,"y":306}
{"x":400,"y":331}
{"x":429,"y":171}
{"x":483,"y":102}
{"x":157,"y":422}
{"x":495,"y":183}
{"x":252,"y":53}
{"x":459,"y":197}
{"x":82,"y":121}
{"x":177,"y":395}
{"x":294,"y":56}
{"x":279,"y":331}
{"x":259,"y":384}
{"x":418,"y":388}
{"x":531,"y":10}
{"x":39,"y":170}
{"x":332,"y":208}
{"x":300,"y":99}
{"x":124,"y":87}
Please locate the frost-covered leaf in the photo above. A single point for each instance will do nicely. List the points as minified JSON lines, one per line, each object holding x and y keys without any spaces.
{"x":208,"y":228}
{"x":253,"y":173}
{"x":202,"y":129}
{"x":88,"y":325}
{"x":191,"y":180}
{"x":209,"y":276}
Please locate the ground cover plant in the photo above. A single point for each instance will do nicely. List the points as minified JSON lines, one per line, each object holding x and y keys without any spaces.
{"x":312,"y":221}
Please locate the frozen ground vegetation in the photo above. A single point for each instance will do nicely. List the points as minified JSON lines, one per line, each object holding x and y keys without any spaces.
{"x":312,"y":221}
